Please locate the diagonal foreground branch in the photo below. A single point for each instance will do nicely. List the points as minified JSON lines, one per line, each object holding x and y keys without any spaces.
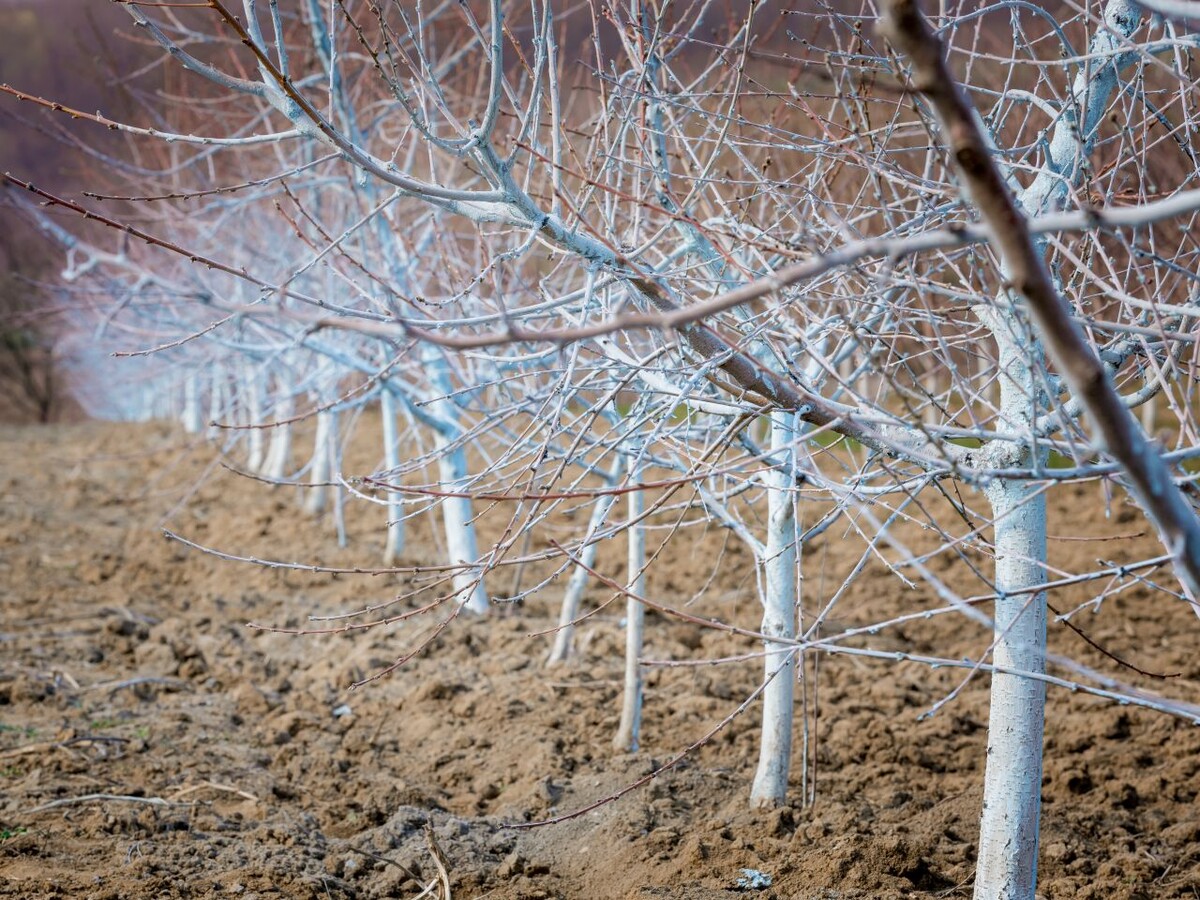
{"x":906,"y":28}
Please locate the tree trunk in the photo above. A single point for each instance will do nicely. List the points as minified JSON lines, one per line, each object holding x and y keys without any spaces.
{"x":254,"y":456}
{"x":630,"y":728}
{"x":335,"y":473}
{"x":318,"y":473}
{"x":454,"y":477}
{"x":779,"y":620}
{"x":1012,"y":791}
{"x":216,"y":401}
{"x":1149,"y":417}
{"x":461,"y":546}
{"x":391,"y":455}
{"x":573,"y":595}
{"x":191,"y":405}
{"x":279,"y":452}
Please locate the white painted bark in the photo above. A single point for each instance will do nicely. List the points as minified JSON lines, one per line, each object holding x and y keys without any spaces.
{"x":630,"y":727}
{"x":319,"y":470}
{"x":573,"y":596}
{"x":1008,"y":831}
{"x":462,"y":548}
{"x":779,"y":620}
{"x":191,"y":417}
{"x":1012,"y":791}
{"x":457,"y":515}
{"x":145,"y":407}
{"x":391,"y":456}
{"x":339,"y":495}
{"x":256,"y":449}
{"x":216,"y":401}
{"x":279,"y":452}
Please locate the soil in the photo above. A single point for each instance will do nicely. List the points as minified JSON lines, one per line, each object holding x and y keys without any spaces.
{"x":154,"y":746}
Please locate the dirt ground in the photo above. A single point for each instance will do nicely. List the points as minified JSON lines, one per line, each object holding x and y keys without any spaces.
{"x":153,"y":746}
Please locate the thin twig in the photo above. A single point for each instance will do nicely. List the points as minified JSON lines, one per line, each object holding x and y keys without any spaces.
{"x":104,"y":798}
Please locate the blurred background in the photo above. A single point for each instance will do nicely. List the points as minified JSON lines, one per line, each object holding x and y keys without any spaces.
{"x":78,"y":53}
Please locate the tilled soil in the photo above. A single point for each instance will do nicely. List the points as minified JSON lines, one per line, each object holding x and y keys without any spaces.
{"x":154,"y":746}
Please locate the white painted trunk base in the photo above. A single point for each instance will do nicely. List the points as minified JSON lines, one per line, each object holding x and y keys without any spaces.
{"x":573,"y":595}
{"x":279,"y":452}
{"x":461,"y":545}
{"x":779,"y":620}
{"x":391,"y":454}
{"x":318,"y":494}
{"x":257,"y":449}
{"x":216,"y":401}
{"x":191,"y":416}
{"x":629,"y":730}
{"x":1012,"y":792}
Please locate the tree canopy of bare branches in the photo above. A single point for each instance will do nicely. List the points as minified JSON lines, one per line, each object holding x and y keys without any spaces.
{"x":778,"y":270}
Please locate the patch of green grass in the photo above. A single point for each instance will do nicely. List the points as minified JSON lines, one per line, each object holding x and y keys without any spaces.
{"x":829,"y":438}
{"x":101,"y":724}
{"x":7,"y":834}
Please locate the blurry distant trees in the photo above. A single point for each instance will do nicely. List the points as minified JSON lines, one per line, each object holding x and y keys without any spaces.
{"x":31,"y":380}
{"x":76,"y":62}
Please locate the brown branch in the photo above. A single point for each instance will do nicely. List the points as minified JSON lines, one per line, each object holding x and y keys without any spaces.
{"x":1118,"y":660}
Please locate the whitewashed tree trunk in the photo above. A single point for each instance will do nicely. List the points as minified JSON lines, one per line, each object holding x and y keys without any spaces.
{"x":573,"y":596}
{"x":629,"y":729}
{"x":279,"y":452}
{"x":1012,"y":792}
{"x":191,"y":418}
{"x":391,"y":453}
{"x":1008,"y":833}
{"x":779,"y":620}
{"x":457,"y":515}
{"x":339,"y":495}
{"x":145,"y":409}
{"x":216,"y":401}
{"x":256,"y":450}
{"x":319,"y":470}
{"x":454,"y":477}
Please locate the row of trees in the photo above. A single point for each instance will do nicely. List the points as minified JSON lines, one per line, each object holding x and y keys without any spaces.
{"x":780,"y":273}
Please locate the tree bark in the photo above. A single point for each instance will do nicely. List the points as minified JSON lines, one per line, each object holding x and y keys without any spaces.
{"x":279,"y":451}
{"x":391,"y":453}
{"x":779,"y":620}
{"x":630,"y":727}
{"x":253,"y":383}
{"x":191,"y":405}
{"x":457,"y":519}
{"x":1012,"y":790}
{"x":573,"y":595}
{"x":318,"y":473}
